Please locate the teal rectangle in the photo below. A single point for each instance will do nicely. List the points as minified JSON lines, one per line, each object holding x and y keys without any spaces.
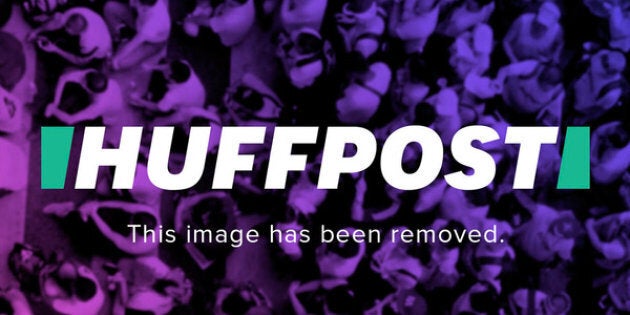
{"x":575,"y":170}
{"x":56,"y":144}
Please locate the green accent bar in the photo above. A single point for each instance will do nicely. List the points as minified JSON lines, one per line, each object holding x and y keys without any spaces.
{"x":575,"y":170}
{"x":56,"y":145}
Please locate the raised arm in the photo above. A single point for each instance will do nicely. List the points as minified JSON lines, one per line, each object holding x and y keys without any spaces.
{"x":57,"y":21}
{"x":79,"y":60}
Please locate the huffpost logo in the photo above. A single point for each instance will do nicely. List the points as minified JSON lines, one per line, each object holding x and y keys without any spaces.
{"x":56,"y":146}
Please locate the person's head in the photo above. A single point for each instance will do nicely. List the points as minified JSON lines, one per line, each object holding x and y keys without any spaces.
{"x":483,"y":39}
{"x":613,"y":62}
{"x":25,"y":261}
{"x":96,"y":82}
{"x":566,"y":227}
{"x":180,"y":71}
{"x":550,"y":77}
{"x":357,"y":103}
{"x":425,"y":114}
{"x":547,"y":16}
{"x":76,"y":24}
{"x":559,"y":303}
{"x":67,"y":271}
{"x":476,"y":5}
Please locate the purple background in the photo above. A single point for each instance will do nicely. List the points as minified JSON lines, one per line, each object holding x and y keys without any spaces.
{"x":379,"y":64}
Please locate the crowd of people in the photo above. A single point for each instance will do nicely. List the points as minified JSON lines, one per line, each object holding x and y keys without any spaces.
{"x":378,"y":64}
